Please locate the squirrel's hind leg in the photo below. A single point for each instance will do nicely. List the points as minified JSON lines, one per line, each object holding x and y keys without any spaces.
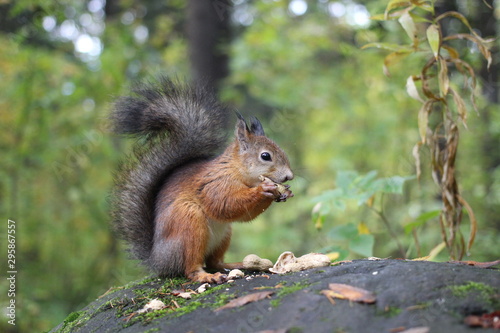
{"x":196,"y":240}
{"x":216,"y":259}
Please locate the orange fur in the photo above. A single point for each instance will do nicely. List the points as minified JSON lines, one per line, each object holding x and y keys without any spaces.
{"x":198,"y":202}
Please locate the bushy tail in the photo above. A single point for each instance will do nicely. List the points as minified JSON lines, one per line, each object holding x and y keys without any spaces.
{"x":176,"y":124}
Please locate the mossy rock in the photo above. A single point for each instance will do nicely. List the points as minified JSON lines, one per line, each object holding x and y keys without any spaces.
{"x":409,"y":294}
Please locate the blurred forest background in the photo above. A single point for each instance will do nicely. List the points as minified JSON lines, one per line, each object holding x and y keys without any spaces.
{"x":296,"y":64}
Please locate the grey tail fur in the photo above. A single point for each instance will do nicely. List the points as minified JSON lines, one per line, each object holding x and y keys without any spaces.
{"x":176,"y":124}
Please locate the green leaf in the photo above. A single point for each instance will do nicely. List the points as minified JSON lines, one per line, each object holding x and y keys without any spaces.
{"x":388,"y":46}
{"x":343,"y":253}
{"x":364,"y":182}
{"x":345,"y":179}
{"x":328,"y":195}
{"x":339,"y":204}
{"x":419,"y":19}
{"x":434,"y":39}
{"x":320,"y":210}
{"x":421,"y":220}
{"x":395,"y":4}
{"x":393,"y":184}
{"x":343,"y":232}
{"x":362,"y":244}
{"x":408,"y":25}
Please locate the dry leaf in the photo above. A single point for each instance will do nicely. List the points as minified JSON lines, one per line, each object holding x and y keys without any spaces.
{"x":344,"y":291}
{"x":202,"y":288}
{"x":487,"y":320}
{"x":240,"y":301}
{"x":422,"y":329}
{"x":153,"y":305}
{"x":183,"y":294}
{"x":420,"y":259}
{"x":478,"y":264}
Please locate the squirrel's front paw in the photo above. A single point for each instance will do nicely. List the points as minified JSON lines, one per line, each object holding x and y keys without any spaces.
{"x":269,"y":188}
{"x":285,"y":192}
{"x":278,"y":192}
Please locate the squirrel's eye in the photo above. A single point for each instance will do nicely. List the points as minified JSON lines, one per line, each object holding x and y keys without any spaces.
{"x":265,"y":156}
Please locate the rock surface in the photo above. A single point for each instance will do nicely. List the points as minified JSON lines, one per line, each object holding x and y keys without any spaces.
{"x":435,"y":297}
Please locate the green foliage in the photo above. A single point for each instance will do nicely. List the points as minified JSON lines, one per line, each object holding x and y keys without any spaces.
{"x":440,"y":134}
{"x":485,"y":292}
{"x":362,"y":190}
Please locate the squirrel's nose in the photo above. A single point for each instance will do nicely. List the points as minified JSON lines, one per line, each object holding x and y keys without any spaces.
{"x":288,"y":176}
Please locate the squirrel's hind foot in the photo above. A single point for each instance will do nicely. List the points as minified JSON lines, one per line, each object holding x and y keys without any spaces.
{"x":204,"y":277}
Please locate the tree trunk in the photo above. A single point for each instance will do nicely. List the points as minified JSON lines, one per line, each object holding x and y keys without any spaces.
{"x":208,"y":31}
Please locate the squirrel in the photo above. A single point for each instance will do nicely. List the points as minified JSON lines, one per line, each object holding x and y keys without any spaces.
{"x":175,"y":197}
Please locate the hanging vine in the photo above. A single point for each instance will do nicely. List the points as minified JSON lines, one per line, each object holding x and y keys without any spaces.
{"x":442,"y":103}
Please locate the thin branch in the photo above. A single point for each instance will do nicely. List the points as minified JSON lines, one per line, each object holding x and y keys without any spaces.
{"x":384,"y":219}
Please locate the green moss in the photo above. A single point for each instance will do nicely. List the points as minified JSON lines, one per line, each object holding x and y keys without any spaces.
{"x":72,"y":317}
{"x":155,"y":329}
{"x":286,"y":290}
{"x":485,"y":292}
{"x":176,"y":306}
{"x":74,"y":320}
{"x":222,"y":299}
{"x":389,"y":312}
{"x":340,"y":330}
{"x":471,"y":286}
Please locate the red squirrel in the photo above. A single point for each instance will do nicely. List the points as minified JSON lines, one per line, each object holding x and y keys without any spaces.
{"x":175,"y":197}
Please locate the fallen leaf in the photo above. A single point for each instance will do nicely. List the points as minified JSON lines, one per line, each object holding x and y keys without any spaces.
{"x":183,"y":294}
{"x":478,"y":264}
{"x":419,"y":259}
{"x":153,"y":305}
{"x":344,"y":291}
{"x":240,"y":301}
{"x":422,"y":329}
{"x":202,"y":288}
{"x":487,"y":320}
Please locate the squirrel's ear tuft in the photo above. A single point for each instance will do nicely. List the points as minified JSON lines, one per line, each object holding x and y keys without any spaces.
{"x":256,"y":127}
{"x":242,"y":133}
